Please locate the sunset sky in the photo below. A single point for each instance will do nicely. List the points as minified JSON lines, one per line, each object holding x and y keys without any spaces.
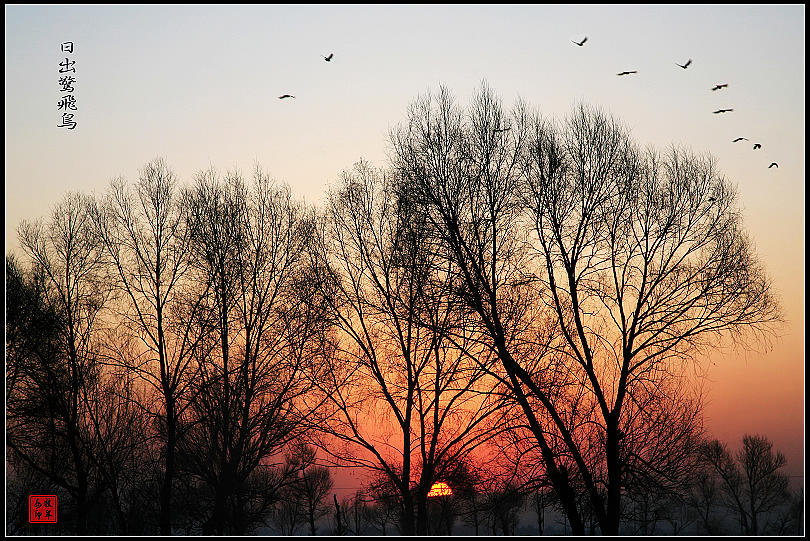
{"x":199,"y":86}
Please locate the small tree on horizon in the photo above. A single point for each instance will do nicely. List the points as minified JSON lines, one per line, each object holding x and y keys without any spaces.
{"x":752,"y":480}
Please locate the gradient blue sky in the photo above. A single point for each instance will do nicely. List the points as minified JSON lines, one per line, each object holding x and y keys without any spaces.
{"x":199,"y":86}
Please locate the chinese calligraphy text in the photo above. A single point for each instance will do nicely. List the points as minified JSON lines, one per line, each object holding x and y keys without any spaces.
{"x":67,"y":102}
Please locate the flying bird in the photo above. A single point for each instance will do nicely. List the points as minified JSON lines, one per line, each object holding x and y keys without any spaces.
{"x":712,"y":199}
{"x":718,"y":87}
{"x":627,"y":72}
{"x":329,"y":58}
{"x":739,"y":139}
{"x":757,"y":145}
{"x":772,"y":164}
{"x":722,"y":111}
{"x":286,"y":96}
{"x":580,"y":43}
{"x":685,"y":65}
{"x":497,"y":130}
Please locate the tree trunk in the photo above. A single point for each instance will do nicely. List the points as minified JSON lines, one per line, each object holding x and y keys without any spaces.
{"x":408,"y":521}
{"x":421,"y":515}
{"x":338,"y":518}
{"x":215,"y":525}
{"x":538,"y":500}
{"x":168,"y":477}
{"x":611,"y":523}
{"x":81,"y":481}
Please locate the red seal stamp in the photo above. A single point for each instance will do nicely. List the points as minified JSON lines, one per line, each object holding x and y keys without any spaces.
{"x":41,"y":509}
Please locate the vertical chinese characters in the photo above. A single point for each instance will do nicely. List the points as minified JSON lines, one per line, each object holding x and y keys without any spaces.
{"x":67,"y":102}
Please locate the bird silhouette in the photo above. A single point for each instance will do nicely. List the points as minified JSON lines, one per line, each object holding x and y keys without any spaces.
{"x":757,"y":145}
{"x":627,"y":72}
{"x":722,"y":111}
{"x":739,"y":139}
{"x":712,"y":199}
{"x":685,"y":65}
{"x":497,"y":130}
{"x":580,"y":43}
{"x":718,"y":87}
{"x":772,"y":164}
{"x":286,"y":96}
{"x":329,"y":58}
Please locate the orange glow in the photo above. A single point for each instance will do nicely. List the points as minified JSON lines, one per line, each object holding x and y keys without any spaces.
{"x":440,"y":489}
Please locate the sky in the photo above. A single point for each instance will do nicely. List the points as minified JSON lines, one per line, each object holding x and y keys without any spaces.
{"x":199,"y":86}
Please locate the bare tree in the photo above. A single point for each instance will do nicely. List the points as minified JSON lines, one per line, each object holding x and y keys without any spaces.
{"x":108,"y":429}
{"x":637,"y":260}
{"x":356,"y":512}
{"x":663,"y":431}
{"x":289,"y":513}
{"x":466,"y":482}
{"x":705,"y":497}
{"x":384,"y":504}
{"x":540,"y":500}
{"x":646,"y":262}
{"x":120,"y":437}
{"x":53,"y":372}
{"x":405,"y":386}
{"x":247,"y":244}
{"x":751,"y":480}
{"x":341,"y":526}
{"x":789,"y":521}
{"x":380,"y":512}
{"x":143,"y":231}
{"x":501,"y":505}
{"x":313,"y":483}
{"x":466,"y":177}
{"x":32,"y":357}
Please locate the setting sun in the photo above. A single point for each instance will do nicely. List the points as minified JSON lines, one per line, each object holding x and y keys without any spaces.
{"x":440,"y":489}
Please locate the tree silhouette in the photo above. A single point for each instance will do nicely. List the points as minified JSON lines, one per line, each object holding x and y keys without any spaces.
{"x":312,"y":485}
{"x":633,"y":270}
{"x":405,"y":387}
{"x":247,"y":243}
{"x":384,"y":505}
{"x":143,"y":231}
{"x":55,"y":370}
{"x":751,"y":480}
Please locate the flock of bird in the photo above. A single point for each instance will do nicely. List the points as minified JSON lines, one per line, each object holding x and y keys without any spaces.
{"x":629,"y":72}
{"x":714,"y":88}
